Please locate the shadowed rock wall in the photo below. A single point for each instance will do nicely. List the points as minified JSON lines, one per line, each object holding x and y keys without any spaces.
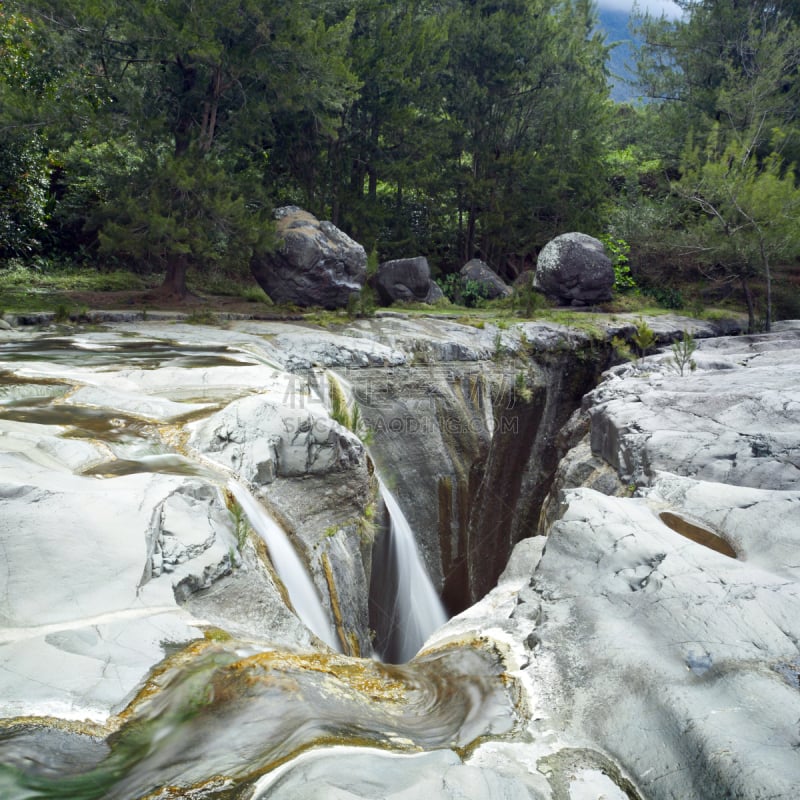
{"x":469,"y":451}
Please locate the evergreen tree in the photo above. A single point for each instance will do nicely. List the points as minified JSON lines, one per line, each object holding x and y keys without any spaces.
{"x":195,"y":86}
{"x":24,"y":168}
{"x":527,"y":90}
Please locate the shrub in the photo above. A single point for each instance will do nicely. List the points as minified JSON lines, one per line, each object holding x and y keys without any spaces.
{"x":667,"y":297}
{"x":618,"y":251}
{"x":463,"y":291}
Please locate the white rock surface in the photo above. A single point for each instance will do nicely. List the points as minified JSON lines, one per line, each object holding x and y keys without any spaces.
{"x":736,"y":419}
{"x":677,"y":662}
{"x":79,"y":631}
{"x":645,"y":661}
{"x":103,"y":576}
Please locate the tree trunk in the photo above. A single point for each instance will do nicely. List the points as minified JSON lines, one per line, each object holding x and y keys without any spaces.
{"x":751,"y":311}
{"x":768,"y":277}
{"x":175,"y":280}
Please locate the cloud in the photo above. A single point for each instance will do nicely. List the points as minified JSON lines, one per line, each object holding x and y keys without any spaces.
{"x":655,"y":7}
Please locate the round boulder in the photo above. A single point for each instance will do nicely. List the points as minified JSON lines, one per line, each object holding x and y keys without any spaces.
{"x":492,"y":285}
{"x":574,"y":269}
{"x":315,"y":264}
{"x":406,"y":280}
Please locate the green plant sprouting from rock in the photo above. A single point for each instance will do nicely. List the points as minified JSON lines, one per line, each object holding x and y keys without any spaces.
{"x":241,"y":526}
{"x":644,"y":338}
{"x":521,"y":388}
{"x":622,"y":349}
{"x":683,"y":352}
{"x":341,"y":411}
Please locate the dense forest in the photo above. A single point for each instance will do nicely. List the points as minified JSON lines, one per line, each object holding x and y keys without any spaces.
{"x":160,"y":135}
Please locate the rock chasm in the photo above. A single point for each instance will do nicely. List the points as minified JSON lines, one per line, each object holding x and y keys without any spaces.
{"x":617,"y":547}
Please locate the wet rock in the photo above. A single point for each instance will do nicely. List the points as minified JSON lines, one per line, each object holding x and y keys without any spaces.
{"x":261,"y":439}
{"x":74,"y":602}
{"x":653,"y":641}
{"x":640,"y":623}
{"x":350,"y":774}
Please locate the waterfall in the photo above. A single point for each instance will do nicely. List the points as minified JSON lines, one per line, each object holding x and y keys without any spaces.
{"x":409,"y":605}
{"x":287,"y":563}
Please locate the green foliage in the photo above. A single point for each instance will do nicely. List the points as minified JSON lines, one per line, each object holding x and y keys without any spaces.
{"x":644,"y":338}
{"x":463,"y":291}
{"x":203,"y":316}
{"x":682,"y":352}
{"x":24,"y":167}
{"x":499,"y":347}
{"x":618,"y":250}
{"x":342,"y":412}
{"x":521,"y":388}
{"x":747,"y":207}
{"x":157,"y":137}
{"x":535,"y":70}
{"x":182,"y":213}
{"x":241,"y":526}
{"x":255,"y":294}
{"x":667,"y":296}
{"x":372,"y":262}
{"x":62,"y":313}
{"x":46,"y":275}
{"x":525,"y":297}
{"x":361,"y":304}
{"x":339,"y":410}
{"x":727,"y":76}
{"x":191,"y":92}
{"x":367,"y":523}
{"x":622,"y":349}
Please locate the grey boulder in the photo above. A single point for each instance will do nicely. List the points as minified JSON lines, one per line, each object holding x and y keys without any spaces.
{"x":490,"y":282}
{"x":315,"y":264}
{"x":406,"y":280}
{"x":574,"y":270}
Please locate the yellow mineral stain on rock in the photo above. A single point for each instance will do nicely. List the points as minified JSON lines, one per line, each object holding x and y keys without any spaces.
{"x":349,"y":641}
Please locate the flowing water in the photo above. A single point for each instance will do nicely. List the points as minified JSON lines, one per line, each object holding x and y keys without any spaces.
{"x":233,"y":713}
{"x":291,"y":570}
{"x":411,"y":607}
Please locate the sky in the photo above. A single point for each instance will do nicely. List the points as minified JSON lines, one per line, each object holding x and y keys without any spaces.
{"x":655,"y":7}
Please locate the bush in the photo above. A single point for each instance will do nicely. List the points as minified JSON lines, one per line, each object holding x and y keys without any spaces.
{"x":618,"y":251}
{"x":667,"y":297}
{"x":644,"y":338}
{"x":361,"y":304}
{"x":463,"y":291}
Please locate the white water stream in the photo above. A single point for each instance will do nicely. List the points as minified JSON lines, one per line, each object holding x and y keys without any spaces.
{"x":418,"y":611}
{"x":288,"y":565}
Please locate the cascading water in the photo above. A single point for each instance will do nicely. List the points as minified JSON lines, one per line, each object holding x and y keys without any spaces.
{"x":288,"y":565}
{"x":403,"y":596}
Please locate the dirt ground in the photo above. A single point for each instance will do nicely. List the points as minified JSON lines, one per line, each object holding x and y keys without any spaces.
{"x":155,"y":301}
